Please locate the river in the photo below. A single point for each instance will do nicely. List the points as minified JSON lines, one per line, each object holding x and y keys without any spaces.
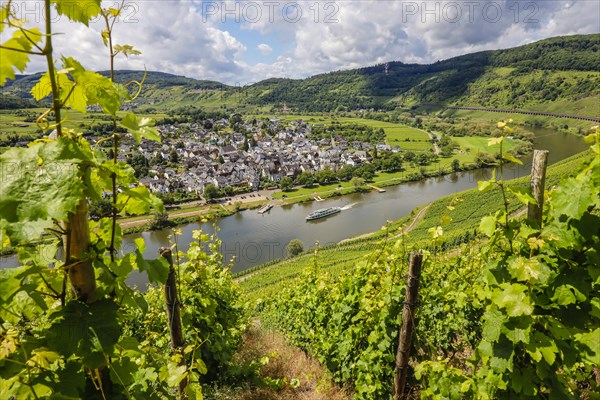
{"x":254,"y":238}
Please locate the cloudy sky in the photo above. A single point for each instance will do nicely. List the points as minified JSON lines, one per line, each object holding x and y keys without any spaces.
{"x":240,"y":42}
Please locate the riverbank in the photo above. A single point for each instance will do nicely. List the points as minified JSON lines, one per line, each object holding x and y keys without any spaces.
{"x":316,"y":192}
{"x":308,"y":194}
{"x":412,"y":223}
{"x":184,"y":214}
{"x":232,"y":205}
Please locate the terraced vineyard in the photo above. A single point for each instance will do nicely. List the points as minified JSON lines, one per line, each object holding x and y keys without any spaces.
{"x":511,"y":315}
{"x":469,"y":207}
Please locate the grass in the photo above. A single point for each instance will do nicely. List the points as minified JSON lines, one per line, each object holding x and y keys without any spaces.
{"x":13,"y":123}
{"x":414,"y":146}
{"x":190,"y":212}
{"x":393,"y":132}
{"x":474,"y":144}
{"x":306,"y":193}
{"x":284,"y":363}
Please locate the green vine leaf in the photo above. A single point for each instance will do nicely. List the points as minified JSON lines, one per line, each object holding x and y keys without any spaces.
{"x":126,"y":50}
{"x":18,"y":59}
{"x":78,"y":10}
{"x":574,"y":196}
{"x":502,"y":358}
{"x":567,"y":294}
{"x":520,"y":331}
{"x":511,"y":158}
{"x":43,"y":358}
{"x":492,"y":324}
{"x":496,"y":140}
{"x":529,"y":270}
{"x":589,"y":344}
{"x":172,"y":374}
{"x":514,"y":299}
{"x":39,"y":184}
{"x":123,"y":370}
{"x":4,"y":12}
{"x":93,"y":87}
{"x":542,"y":347}
{"x":157,"y":269}
{"x":70,"y":94}
{"x":523,"y":195}
{"x":85,"y":330}
{"x":487,"y":226}
{"x":484,"y":186}
{"x":138,"y":200}
{"x":140,"y":128}
{"x":522,"y":381}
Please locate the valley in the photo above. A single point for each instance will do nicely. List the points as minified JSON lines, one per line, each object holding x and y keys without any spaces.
{"x":156,"y":245}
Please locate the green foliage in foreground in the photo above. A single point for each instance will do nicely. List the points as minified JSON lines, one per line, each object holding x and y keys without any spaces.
{"x":540,"y":326}
{"x":521,"y":302}
{"x":70,"y":327}
{"x":213,"y":317}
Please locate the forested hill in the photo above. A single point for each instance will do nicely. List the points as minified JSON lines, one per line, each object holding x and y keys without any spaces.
{"x":562,"y":68}
{"x":556,"y":72}
{"x":159,"y":87}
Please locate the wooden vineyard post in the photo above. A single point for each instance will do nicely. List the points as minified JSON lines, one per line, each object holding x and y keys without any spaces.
{"x":406,"y":330}
{"x":537,"y":182}
{"x":173,"y":314}
{"x":77,"y":243}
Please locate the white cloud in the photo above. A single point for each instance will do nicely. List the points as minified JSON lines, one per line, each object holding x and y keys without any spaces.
{"x":172,"y":37}
{"x":175,"y":37}
{"x":264,"y":49}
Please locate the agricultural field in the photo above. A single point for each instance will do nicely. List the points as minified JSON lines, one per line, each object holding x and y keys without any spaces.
{"x":474,"y":144}
{"x":22,"y":122}
{"x":19,"y":122}
{"x":576,"y":107}
{"x":393,"y":132}
{"x":396,"y":134}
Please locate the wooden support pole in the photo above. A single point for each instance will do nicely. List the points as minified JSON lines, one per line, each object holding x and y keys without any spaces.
{"x":537,"y":183}
{"x":173,"y":314}
{"x":406,"y":330}
{"x":77,"y":243}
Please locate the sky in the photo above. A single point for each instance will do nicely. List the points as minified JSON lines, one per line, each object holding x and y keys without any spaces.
{"x":241,"y":42}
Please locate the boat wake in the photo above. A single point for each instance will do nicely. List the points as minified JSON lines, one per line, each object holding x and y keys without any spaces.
{"x":349,"y":206}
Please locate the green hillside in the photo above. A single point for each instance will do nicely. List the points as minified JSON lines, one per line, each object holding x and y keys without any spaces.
{"x":557,"y":74}
{"x":164,"y":90}
{"x":559,"y":70}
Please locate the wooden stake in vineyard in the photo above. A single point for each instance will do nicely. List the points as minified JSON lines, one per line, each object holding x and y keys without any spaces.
{"x":173,"y":314}
{"x":406,"y":331}
{"x":537,"y":182}
{"x":81,"y":272}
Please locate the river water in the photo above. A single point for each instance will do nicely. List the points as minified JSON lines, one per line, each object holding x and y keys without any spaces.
{"x":251,"y":238}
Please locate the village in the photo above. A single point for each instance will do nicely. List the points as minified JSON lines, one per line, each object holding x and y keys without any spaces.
{"x":192,"y":156}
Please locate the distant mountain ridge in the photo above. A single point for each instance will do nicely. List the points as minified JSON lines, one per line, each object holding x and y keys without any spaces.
{"x":21,"y":86}
{"x":471,"y":79}
{"x":551,"y":71}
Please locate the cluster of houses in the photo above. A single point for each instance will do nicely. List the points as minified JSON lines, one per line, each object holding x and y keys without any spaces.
{"x":220,"y":157}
